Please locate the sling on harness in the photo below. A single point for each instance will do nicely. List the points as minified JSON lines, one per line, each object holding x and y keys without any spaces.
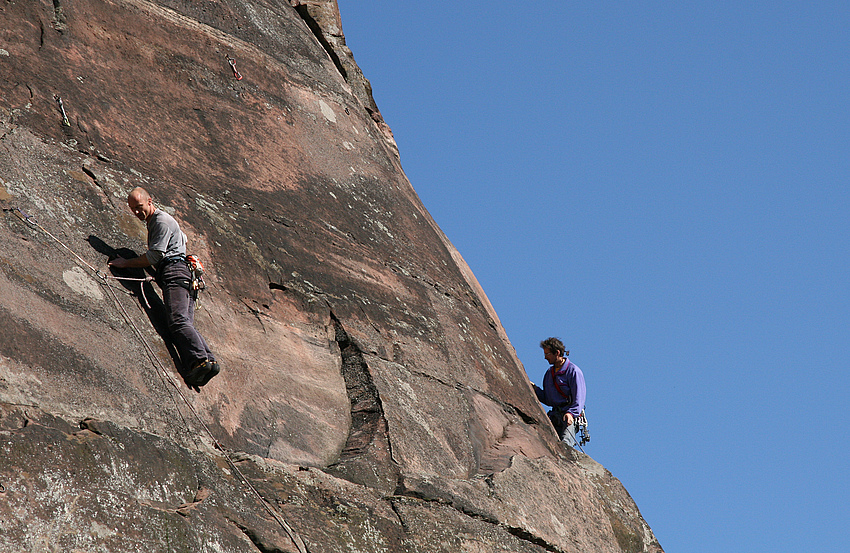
{"x":196,"y":269}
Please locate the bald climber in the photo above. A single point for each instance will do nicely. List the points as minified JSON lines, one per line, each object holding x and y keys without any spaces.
{"x":167,"y":254}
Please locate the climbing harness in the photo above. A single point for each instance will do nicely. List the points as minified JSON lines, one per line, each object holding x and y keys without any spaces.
{"x":232,"y":63}
{"x":169,"y":378}
{"x":195,"y":283}
{"x":62,"y":109}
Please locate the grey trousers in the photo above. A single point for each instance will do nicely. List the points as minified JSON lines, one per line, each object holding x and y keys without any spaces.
{"x":567,"y":432}
{"x":180,"y":315}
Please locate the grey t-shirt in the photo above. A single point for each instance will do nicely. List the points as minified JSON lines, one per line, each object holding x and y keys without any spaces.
{"x":165,"y":239}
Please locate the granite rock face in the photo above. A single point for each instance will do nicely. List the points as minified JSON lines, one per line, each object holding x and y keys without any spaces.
{"x":369,"y":399}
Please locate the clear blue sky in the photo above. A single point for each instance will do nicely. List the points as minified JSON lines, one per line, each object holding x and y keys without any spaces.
{"x":663,"y":185}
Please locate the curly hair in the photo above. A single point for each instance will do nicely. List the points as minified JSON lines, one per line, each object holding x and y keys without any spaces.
{"x":553,"y":344}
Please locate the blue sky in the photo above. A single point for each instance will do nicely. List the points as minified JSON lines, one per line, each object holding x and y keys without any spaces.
{"x":663,"y":185}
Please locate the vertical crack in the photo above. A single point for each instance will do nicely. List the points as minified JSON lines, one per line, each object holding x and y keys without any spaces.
{"x":304,"y":11}
{"x":395,"y":508}
{"x":366,"y":457}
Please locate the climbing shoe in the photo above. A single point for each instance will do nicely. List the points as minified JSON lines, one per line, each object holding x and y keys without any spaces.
{"x":198,"y":372}
{"x":213,"y":370}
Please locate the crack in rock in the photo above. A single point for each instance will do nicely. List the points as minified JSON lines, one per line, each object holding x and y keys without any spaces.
{"x":366,"y":458}
{"x":259,"y":541}
{"x":470,"y":512}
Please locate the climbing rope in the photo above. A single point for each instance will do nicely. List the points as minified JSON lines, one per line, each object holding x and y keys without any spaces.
{"x":296,"y":539}
{"x":33,"y":223}
{"x":168,"y":377}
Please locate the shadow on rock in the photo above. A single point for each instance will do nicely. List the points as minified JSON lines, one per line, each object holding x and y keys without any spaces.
{"x":144,"y":291}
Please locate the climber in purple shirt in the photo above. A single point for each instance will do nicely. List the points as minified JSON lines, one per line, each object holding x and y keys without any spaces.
{"x":563,"y":390}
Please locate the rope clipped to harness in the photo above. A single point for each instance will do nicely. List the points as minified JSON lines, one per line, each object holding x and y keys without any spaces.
{"x":148,"y":278}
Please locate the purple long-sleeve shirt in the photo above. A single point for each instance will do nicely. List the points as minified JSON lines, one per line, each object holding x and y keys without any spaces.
{"x":571,"y":383}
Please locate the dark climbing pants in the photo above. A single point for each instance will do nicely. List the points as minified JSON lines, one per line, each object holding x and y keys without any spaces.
{"x":174,"y":280}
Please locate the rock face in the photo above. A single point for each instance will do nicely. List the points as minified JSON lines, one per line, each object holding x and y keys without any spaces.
{"x":369,"y":399}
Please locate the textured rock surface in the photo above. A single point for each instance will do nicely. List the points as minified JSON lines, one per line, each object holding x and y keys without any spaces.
{"x":369,"y":393}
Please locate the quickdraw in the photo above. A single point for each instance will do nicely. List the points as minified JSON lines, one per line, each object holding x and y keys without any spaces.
{"x":62,"y":109}
{"x":232,"y":63}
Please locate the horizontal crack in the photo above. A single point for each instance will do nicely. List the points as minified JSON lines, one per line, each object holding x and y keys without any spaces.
{"x":517,"y":532}
{"x":257,"y":540}
{"x":526,"y":418}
